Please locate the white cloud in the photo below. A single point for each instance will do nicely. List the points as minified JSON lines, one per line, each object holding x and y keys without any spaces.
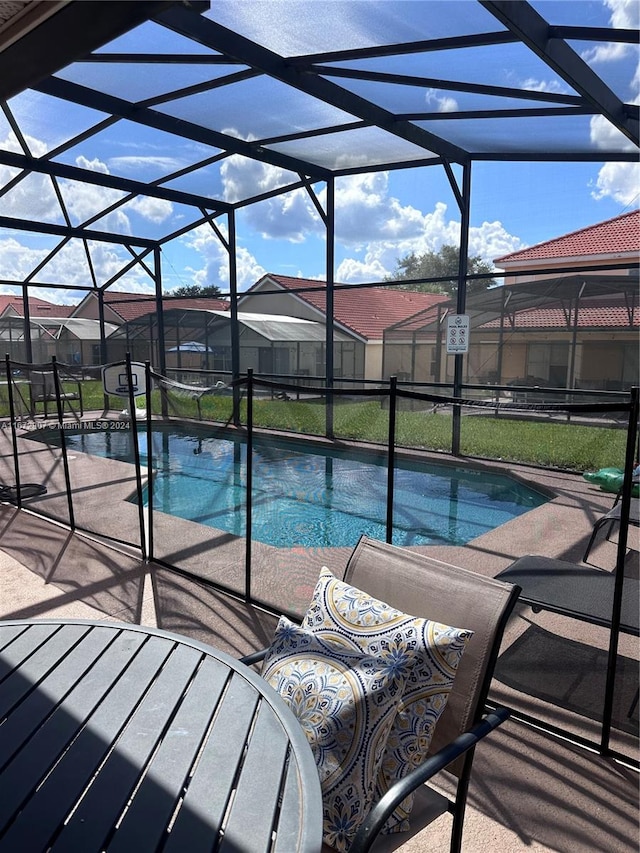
{"x":138,"y":164}
{"x":366,"y":212}
{"x":152,"y":209}
{"x":352,"y":271}
{"x":442,"y":103}
{"x":370,"y":222}
{"x":216,"y":261}
{"x":625,"y":14}
{"x":94,"y":165}
{"x":17,"y":260}
{"x":33,"y":196}
{"x":619,"y":181}
{"x":290,"y":216}
{"x":380,"y":257}
{"x":553,"y":86}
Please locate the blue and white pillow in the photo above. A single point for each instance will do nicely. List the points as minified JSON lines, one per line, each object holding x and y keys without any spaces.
{"x":345,"y":695}
{"x":342,"y":613}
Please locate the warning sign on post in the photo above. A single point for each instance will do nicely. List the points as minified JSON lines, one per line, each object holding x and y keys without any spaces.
{"x":457,"y":333}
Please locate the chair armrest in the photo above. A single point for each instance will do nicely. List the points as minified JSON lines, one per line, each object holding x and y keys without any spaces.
{"x":254,"y":657}
{"x":381,"y":810}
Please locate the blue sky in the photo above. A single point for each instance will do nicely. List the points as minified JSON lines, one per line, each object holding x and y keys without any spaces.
{"x":379,"y":217}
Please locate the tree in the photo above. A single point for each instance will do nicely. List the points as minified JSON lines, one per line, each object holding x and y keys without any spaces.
{"x":440,"y":265}
{"x":193,"y":290}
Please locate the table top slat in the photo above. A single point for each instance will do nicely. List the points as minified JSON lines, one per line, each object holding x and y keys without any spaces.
{"x":41,"y":817}
{"x":9,"y":632}
{"x":252,"y":817}
{"x":208,"y":794}
{"x":144,"y":823}
{"x":34,"y":654}
{"x":21,"y":777}
{"x":92,"y":821}
{"x":290,"y":826}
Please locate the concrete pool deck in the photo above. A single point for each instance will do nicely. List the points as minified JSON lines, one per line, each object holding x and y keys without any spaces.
{"x":529,"y":791}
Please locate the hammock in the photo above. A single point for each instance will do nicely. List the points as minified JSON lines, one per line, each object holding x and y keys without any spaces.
{"x":192,"y":392}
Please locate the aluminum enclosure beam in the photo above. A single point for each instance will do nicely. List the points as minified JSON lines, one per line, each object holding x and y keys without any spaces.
{"x":124,"y":109}
{"x":70,"y":231}
{"x":73,"y":31}
{"x":239,"y":48}
{"x":87,"y":176}
{"x":521,"y":18}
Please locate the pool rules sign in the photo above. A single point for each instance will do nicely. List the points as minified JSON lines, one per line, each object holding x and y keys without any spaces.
{"x":457,"y":333}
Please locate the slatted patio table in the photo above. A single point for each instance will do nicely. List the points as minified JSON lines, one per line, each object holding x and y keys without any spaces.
{"x":125,"y":738}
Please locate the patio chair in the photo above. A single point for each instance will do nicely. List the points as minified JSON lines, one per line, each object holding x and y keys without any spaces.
{"x":427,"y":588}
{"x":43,"y":391}
{"x":612,"y":518}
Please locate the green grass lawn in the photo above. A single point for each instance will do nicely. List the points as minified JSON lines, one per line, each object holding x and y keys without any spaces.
{"x":555,"y":444}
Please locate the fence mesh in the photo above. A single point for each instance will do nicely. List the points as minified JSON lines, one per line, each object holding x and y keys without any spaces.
{"x":251,"y":486}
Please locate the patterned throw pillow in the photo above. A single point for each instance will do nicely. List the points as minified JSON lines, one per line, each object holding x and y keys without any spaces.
{"x":345,"y":696}
{"x":340,"y":612}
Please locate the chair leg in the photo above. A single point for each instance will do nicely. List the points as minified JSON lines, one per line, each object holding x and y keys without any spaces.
{"x":596,"y":527}
{"x":460,"y":803}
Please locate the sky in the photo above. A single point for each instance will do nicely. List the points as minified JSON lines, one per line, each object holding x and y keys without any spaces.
{"x":380,"y":217}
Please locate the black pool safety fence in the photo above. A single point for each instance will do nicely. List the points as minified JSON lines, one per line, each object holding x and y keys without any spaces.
{"x":93,"y":449}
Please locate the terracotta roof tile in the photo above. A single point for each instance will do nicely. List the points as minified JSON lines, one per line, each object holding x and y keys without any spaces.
{"x":130,"y":306}
{"x":593,"y":314}
{"x":366,"y":312}
{"x":37,"y":307}
{"x":620,"y":235}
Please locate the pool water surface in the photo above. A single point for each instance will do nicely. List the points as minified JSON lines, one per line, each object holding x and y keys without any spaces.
{"x":311,"y":499}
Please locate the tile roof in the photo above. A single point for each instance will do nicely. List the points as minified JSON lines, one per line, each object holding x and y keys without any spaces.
{"x":593,"y":314}
{"x":620,"y":235}
{"x":366,"y":312}
{"x":39,"y":307}
{"x":130,"y":306}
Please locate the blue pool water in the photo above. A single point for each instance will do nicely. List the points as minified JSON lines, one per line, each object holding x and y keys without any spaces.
{"x":310,"y":499}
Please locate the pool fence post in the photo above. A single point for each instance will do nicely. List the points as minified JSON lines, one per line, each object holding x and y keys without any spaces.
{"x":136,"y":456}
{"x":147,"y":402}
{"x":249,"y":486}
{"x":618,"y":589}
{"x":391,"y":455}
{"x":14,"y":434}
{"x":63,"y":440}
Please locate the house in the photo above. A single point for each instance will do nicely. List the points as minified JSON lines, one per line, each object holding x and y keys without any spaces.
{"x":553,"y":326}
{"x":196,"y":339}
{"x":615,"y":241}
{"x":121,"y":307}
{"x":360,"y":314}
{"x":52,"y":332}
{"x":588,"y":339}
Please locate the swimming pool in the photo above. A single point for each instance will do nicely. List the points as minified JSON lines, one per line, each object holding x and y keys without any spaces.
{"x":308,"y":498}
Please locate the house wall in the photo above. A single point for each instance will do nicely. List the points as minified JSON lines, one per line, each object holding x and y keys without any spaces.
{"x":603,"y":360}
{"x":278,"y":303}
{"x":88,"y":309}
{"x":373,"y":361}
{"x":360,"y":360}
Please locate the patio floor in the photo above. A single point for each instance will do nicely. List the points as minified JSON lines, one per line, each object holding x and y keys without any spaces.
{"x":529,"y":791}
